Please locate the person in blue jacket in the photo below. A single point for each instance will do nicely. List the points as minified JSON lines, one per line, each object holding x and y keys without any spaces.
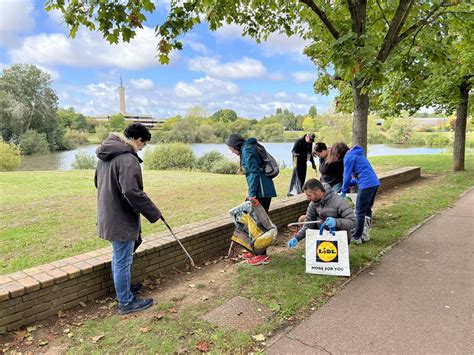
{"x":261,"y":188}
{"x":357,"y":171}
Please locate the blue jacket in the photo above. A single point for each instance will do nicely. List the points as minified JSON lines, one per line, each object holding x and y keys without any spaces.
{"x":259,"y":184}
{"x":358,"y":171}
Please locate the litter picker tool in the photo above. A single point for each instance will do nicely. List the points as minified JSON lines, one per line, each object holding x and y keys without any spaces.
{"x":182,"y":246}
{"x":304,"y":223}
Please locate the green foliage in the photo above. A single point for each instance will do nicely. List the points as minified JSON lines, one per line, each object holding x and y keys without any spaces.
{"x":10,"y":156}
{"x":207,"y":160}
{"x":240,"y":126}
{"x":32,"y":142}
{"x":309,"y":124}
{"x":225,"y":115}
{"x":338,"y":128}
{"x":76,"y":137}
{"x":225,"y":167}
{"x":117,"y":123}
{"x":170,"y":156}
{"x":401,"y":130}
{"x":436,"y":139}
{"x":28,"y":102}
{"x":84,"y":161}
{"x":272,"y":132}
{"x":313,"y":112}
{"x":102,"y":132}
{"x":73,"y":120}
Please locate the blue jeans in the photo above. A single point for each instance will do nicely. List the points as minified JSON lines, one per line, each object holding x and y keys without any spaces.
{"x":364,"y":203}
{"x":122,"y":257}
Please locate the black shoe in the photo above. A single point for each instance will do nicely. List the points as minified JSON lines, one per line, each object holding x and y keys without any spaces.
{"x":134,"y":288}
{"x":135,"y":306}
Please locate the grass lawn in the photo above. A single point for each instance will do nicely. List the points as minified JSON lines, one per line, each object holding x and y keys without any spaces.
{"x":45,"y":216}
{"x":282,"y":285}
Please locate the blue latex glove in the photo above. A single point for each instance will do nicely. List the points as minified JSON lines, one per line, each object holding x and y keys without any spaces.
{"x":330,"y":222}
{"x":292,"y":243}
{"x":342,"y":194}
{"x":331,"y":230}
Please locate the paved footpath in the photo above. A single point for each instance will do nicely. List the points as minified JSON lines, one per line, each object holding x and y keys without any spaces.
{"x":418,"y":300}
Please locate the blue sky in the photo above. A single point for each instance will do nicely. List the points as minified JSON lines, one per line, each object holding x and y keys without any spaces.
{"x":215,"y":70}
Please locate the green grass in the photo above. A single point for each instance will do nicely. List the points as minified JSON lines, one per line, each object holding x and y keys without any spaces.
{"x":45,"y":216}
{"x":282,"y":285}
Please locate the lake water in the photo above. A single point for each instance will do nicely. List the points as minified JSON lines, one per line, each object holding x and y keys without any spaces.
{"x":281,"y":152}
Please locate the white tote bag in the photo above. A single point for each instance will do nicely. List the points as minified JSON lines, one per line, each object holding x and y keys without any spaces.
{"x":327,"y":254}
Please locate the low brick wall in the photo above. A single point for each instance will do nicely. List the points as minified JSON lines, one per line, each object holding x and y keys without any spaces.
{"x":39,"y":292}
{"x":398,"y":177}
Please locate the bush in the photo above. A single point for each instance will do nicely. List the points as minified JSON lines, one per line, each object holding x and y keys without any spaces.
{"x":32,"y":142}
{"x":84,"y":161}
{"x":436,"y":139}
{"x":225,"y":167}
{"x":102,"y":132}
{"x":401,"y":130}
{"x":76,"y":137}
{"x":417,"y":139}
{"x":170,"y":156}
{"x":207,"y":161}
{"x":10,"y":156}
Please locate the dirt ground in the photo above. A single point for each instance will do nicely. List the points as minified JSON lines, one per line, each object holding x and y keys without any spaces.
{"x":183,"y":287}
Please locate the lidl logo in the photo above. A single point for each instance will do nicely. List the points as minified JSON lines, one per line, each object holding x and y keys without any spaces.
{"x":326,"y":251}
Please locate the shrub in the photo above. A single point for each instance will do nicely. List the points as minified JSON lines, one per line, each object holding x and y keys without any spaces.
{"x":10,"y":156}
{"x":76,"y":137}
{"x":401,"y":130}
{"x":32,"y":142}
{"x":417,"y":139}
{"x":102,"y":132}
{"x":436,"y":139}
{"x":84,"y":161}
{"x":206,"y":161}
{"x":170,"y":156}
{"x":225,"y":167}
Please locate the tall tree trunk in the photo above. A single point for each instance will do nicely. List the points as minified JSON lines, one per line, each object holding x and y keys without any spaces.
{"x":361,"y":112}
{"x":459,"y":147}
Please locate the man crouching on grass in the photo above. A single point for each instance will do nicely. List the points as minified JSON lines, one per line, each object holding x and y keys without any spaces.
{"x":120,"y":201}
{"x":326,"y":209}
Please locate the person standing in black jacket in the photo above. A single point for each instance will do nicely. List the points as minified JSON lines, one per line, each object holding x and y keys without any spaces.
{"x":331,"y":172}
{"x":302,"y":152}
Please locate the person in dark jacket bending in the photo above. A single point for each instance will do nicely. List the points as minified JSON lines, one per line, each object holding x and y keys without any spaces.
{"x":331,"y":172}
{"x":120,"y":201}
{"x":261,"y":188}
{"x":302,"y":152}
{"x":325,"y":209}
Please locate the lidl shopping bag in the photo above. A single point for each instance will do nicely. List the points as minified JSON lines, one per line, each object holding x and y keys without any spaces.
{"x":327,"y":254}
{"x":253,"y":228}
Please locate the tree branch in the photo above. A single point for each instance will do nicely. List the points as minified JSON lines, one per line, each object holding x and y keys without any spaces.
{"x":420,"y":24}
{"x":383,"y":15}
{"x":398,"y":20}
{"x":322,"y":16}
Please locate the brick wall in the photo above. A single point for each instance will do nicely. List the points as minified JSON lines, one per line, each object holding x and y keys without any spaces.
{"x":39,"y":292}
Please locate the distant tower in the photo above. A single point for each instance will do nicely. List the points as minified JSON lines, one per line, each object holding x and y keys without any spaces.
{"x":122,"y":97}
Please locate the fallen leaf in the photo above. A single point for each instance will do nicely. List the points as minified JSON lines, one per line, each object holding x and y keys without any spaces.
{"x":447,"y":307}
{"x":212,"y":281}
{"x":259,"y":310}
{"x":172,"y":310}
{"x":204,"y":298}
{"x":43,"y":343}
{"x":83,"y":304}
{"x":67,"y":330}
{"x":371,"y":273}
{"x":97,"y":338}
{"x":31,"y":329}
{"x":30,"y":338}
{"x":112,"y":304}
{"x":158,"y":316}
{"x":21,"y":334}
{"x":70,"y":335}
{"x":202,"y":346}
{"x":77,"y":324}
{"x":144,"y":330}
{"x":192,"y":286}
{"x":259,"y":337}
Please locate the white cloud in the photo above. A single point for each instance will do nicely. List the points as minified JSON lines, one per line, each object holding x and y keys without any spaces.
{"x":53,"y":73}
{"x":185,"y":90}
{"x":142,"y":83}
{"x":208,"y":86}
{"x":304,"y":76}
{"x":242,"y":69}
{"x":89,"y":50}
{"x":15,"y":17}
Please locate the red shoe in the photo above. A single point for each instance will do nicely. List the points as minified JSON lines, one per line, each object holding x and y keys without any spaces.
{"x":258,"y":260}
{"x":248,"y":255}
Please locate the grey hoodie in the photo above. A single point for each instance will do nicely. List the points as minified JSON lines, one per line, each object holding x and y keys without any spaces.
{"x":331,"y":205}
{"x":120,"y":195}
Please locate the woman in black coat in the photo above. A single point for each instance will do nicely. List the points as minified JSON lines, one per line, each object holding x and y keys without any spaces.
{"x":301,"y":151}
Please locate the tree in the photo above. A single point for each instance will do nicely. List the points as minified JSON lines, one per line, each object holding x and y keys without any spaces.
{"x":117,"y":123}
{"x":225,"y":115}
{"x":28,"y":103}
{"x":401,"y":130}
{"x":438,"y":71}
{"x":313,"y":112}
{"x":271,"y":132}
{"x":69,"y":118}
{"x":308,"y":124}
{"x":351,"y":40}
